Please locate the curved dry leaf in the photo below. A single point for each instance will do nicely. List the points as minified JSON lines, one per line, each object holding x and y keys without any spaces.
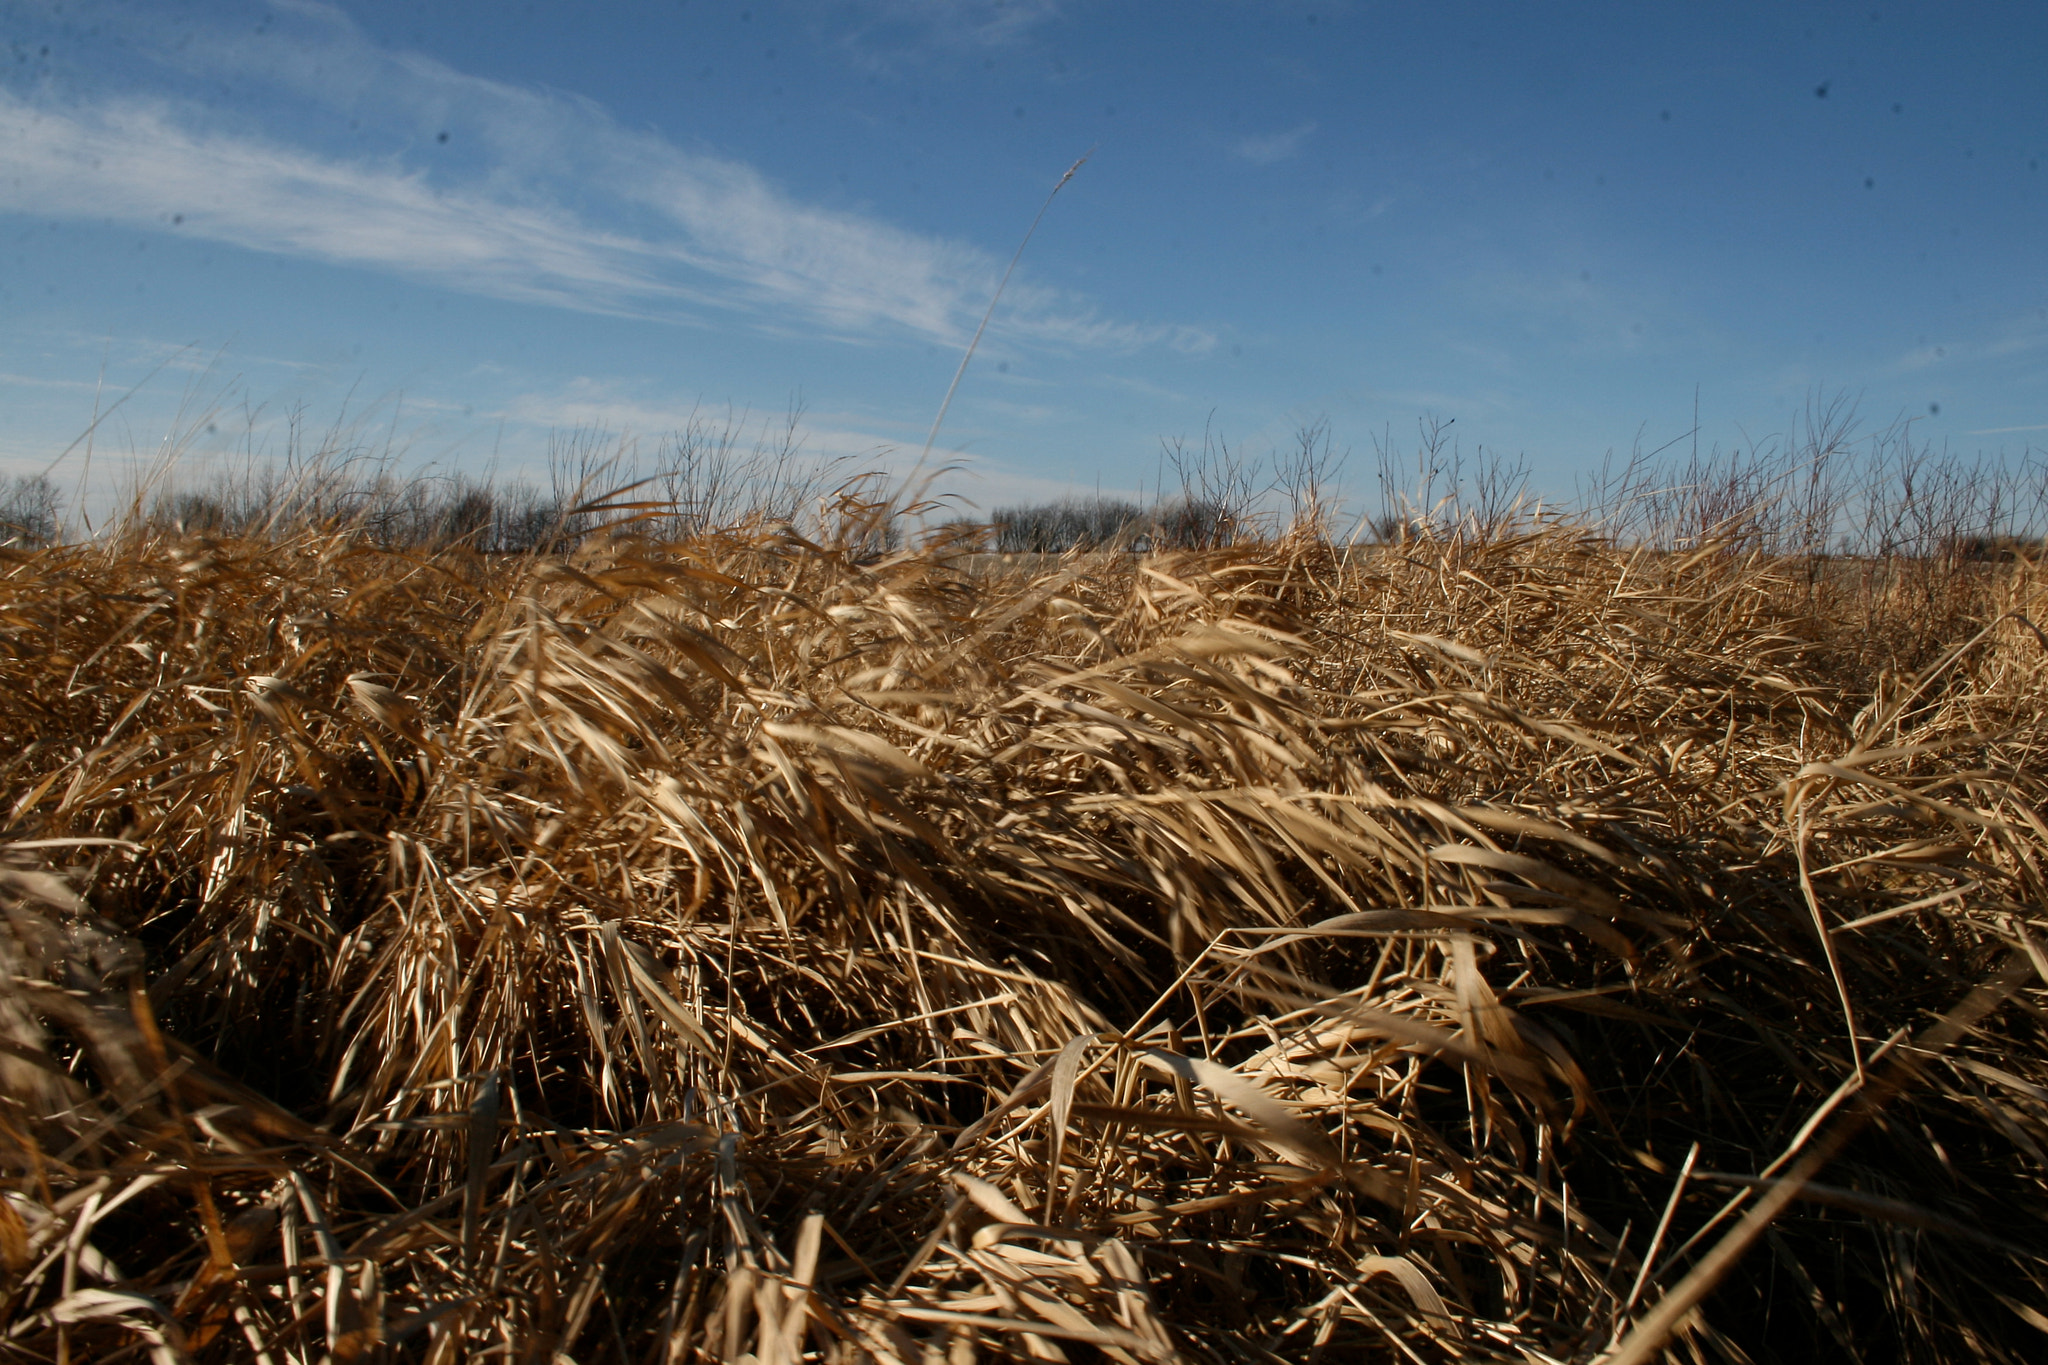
{"x":840,"y":739}
{"x":1420,"y":1290}
{"x":1274,"y":1121}
{"x":990,"y":1200}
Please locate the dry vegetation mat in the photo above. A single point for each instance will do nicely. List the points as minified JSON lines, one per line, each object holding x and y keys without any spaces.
{"x":1489,"y":948}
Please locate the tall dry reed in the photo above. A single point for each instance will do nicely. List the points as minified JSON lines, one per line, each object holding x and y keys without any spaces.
{"x":744,"y":948}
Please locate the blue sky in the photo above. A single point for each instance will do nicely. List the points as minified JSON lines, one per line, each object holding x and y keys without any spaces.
{"x":475,"y":223}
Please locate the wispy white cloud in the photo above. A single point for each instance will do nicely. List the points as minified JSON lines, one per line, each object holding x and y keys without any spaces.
{"x":1919,"y":358}
{"x":985,"y":22}
{"x":30,"y":381}
{"x":541,"y":198}
{"x":1142,"y":386}
{"x":975,"y":484}
{"x":1996,"y":343}
{"x":1023,"y":414}
{"x":888,"y":34}
{"x":1351,"y":206}
{"x":141,"y":163}
{"x":2017,"y":343}
{"x":2007,"y":431}
{"x":640,"y":420}
{"x":1269,"y":149}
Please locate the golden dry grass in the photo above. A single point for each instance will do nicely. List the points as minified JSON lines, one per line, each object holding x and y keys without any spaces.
{"x":731,"y":950}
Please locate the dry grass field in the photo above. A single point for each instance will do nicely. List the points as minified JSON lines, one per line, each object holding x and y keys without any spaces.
{"x":1502,"y":947}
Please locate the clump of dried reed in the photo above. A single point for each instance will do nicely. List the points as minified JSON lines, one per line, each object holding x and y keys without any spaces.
{"x":747,"y":948}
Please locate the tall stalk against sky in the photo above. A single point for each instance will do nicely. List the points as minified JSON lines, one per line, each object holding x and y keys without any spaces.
{"x":994,"y":299}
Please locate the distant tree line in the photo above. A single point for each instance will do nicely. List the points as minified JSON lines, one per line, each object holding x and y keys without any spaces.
{"x":1112,"y":523}
{"x":711,"y":474}
{"x":1819,"y":491}
{"x":29,"y":508}
{"x":400,"y":513}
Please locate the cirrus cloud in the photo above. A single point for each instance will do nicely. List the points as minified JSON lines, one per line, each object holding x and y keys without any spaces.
{"x":1270,"y":149}
{"x":544,"y":199}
